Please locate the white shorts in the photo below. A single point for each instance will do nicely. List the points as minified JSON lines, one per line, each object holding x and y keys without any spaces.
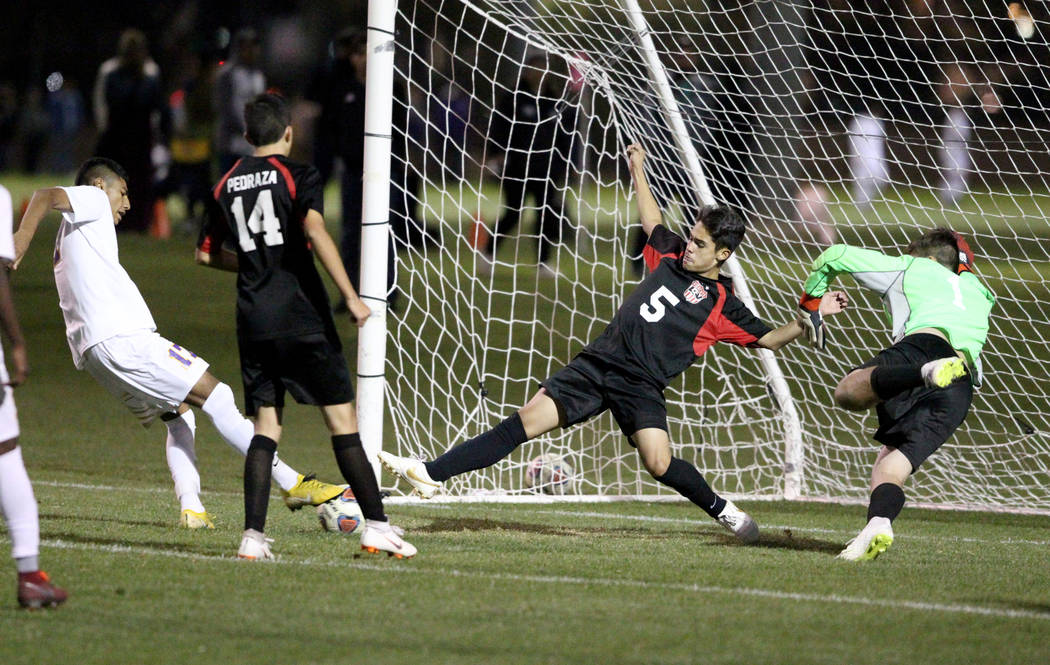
{"x":8,"y":416}
{"x":149,"y":374}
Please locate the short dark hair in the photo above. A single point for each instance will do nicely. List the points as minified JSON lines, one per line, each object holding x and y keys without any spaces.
{"x":265,"y":118}
{"x":726,"y":227}
{"x":940,"y":244}
{"x":99,"y":167}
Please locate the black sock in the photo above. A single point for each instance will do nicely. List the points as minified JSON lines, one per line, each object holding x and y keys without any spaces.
{"x":687,"y":481}
{"x":887,"y":500}
{"x":357,"y":470}
{"x":258,"y":466}
{"x":481,"y":451}
{"x":890,"y":380}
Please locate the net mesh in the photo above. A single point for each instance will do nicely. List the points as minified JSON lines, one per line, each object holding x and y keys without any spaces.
{"x":823,"y":121}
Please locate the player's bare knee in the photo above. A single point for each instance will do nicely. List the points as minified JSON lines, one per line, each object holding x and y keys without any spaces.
{"x":656,"y":461}
{"x":850,"y":397}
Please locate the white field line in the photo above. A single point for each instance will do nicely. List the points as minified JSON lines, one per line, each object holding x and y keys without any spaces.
{"x":703,"y":523}
{"x":398,"y":568}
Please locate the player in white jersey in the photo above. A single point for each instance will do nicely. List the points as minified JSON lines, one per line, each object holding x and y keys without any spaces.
{"x":17,"y":502}
{"x":112,"y":336}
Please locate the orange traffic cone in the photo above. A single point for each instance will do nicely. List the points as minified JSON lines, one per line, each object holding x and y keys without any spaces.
{"x":479,"y":237}
{"x":160,"y":227}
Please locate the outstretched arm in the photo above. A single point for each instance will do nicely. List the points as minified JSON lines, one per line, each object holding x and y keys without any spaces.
{"x":831,"y":302}
{"x":326,"y":251}
{"x":220,"y":259}
{"x":648,"y":210}
{"x":43,"y":202}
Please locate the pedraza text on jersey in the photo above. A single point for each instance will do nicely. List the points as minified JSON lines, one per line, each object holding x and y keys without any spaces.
{"x":240,"y":183}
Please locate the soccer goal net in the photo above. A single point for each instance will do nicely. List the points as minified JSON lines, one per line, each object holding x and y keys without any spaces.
{"x":863,"y":123}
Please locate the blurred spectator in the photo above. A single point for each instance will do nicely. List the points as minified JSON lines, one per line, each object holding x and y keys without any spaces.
{"x":132,"y":117}
{"x":917,"y":60}
{"x":33,"y":126}
{"x":449,"y":120}
{"x":711,"y":93}
{"x":193,"y":120}
{"x":238,"y":81}
{"x":8,"y":122}
{"x":532,"y":129}
{"x":65,"y":107}
{"x":339,"y":88}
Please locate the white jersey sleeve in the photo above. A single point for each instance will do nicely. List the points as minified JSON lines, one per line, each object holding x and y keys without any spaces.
{"x":89,"y":204}
{"x":7,"y":242}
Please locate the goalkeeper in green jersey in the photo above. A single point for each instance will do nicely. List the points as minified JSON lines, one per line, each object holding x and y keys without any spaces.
{"x":921,"y":386}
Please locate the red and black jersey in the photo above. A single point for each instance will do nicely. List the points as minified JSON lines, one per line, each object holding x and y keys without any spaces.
{"x":673,"y":317}
{"x":259,"y":206}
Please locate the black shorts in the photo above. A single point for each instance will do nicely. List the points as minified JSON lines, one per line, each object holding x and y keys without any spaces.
{"x":918,"y":421}
{"x":311,"y":367}
{"x":588,"y":386}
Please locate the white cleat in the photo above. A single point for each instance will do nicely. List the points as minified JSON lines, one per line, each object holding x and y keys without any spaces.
{"x":943,"y":372}
{"x":385,"y":537}
{"x":411,"y":471}
{"x":740,"y":523}
{"x":873,"y":540}
{"x":255,"y":547}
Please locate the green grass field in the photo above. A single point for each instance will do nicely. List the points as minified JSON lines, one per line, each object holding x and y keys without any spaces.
{"x":499,"y":583}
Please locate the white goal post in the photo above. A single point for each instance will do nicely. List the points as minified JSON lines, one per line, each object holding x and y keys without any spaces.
{"x":823,"y":121}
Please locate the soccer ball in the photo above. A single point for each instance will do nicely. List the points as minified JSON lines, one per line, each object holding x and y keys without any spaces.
{"x":550,"y":474}
{"x":341,"y":514}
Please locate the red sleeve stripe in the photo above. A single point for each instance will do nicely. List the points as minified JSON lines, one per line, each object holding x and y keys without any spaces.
{"x":708,"y":333}
{"x":206,"y":245}
{"x":218,"y":188}
{"x":288,"y":179}
{"x":653,"y":257}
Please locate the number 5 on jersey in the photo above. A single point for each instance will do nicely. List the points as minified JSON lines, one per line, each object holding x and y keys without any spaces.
{"x":261,"y":220}
{"x":654,"y":310}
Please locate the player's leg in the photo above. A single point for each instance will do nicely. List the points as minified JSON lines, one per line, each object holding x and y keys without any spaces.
{"x":379,"y":535}
{"x":912,"y":426}
{"x":571,"y":395}
{"x":639,"y":410}
{"x":514,"y":191}
{"x":896,"y":370}
{"x":257,"y":475}
{"x":217,"y":401}
{"x":888,"y":474}
{"x":552,"y":220}
{"x":179,"y":449}
{"x":19,"y":509}
{"x":654,"y":448}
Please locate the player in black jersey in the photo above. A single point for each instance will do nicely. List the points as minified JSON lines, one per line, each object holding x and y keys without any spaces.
{"x":672,"y":317}
{"x":271,"y":209}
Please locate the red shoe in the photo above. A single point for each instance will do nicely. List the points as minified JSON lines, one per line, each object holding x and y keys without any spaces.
{"x":35,"y":591}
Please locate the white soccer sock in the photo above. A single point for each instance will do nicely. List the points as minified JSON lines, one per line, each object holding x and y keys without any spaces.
{"x":19,"y":505}
{"x":238,"y":431}
{"x":182,"y":461}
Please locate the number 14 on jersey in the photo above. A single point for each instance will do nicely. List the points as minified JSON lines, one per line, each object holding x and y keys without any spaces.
{"x":261,"y":220}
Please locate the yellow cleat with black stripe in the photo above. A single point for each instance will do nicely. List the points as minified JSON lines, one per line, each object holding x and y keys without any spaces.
{"x":310,"y":491}
{"x":191,"y":519}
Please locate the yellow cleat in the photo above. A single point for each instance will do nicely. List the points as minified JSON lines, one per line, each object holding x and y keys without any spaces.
{"x":191,"y":519}
{"x":943,"y":372}
{"x":310,"y":491}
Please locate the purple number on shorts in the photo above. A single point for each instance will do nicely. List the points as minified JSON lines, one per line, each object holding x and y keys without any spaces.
{"x":176,"y":352}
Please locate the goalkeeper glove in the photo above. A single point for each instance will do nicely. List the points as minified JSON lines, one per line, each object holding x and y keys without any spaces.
{"x":812,"y":321}
{"x":965,"y":254}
